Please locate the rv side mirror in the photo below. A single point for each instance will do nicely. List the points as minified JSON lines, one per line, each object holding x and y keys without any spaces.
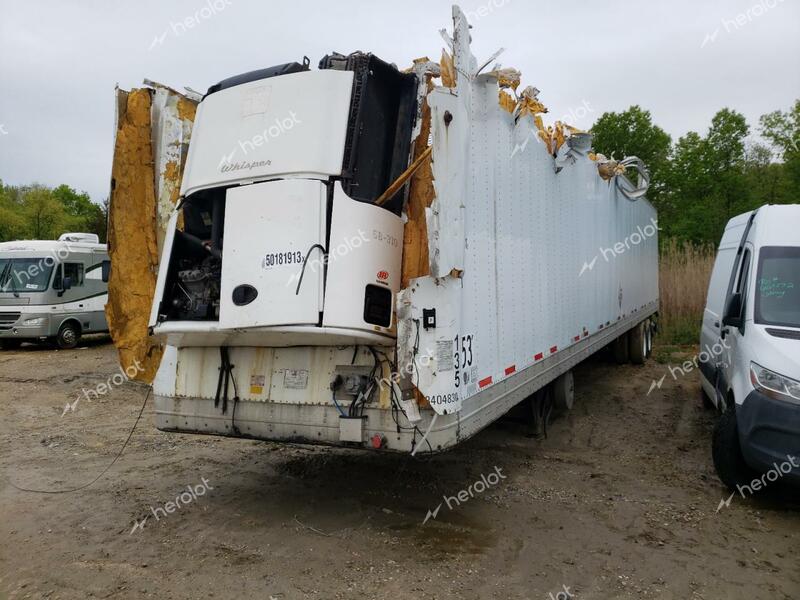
{"x":66,"y":284}
{"x":733,"y":311}
{"x":106,"y":270}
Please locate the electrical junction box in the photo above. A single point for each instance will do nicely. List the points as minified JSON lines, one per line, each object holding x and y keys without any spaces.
{"x":351,"y":429}
{"x":354,"y":378}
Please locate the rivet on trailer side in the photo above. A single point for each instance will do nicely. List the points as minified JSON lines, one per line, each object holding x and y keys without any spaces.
{"x":395,"y":267}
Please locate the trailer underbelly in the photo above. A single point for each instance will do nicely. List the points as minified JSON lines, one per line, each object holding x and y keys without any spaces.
{"x":319,"y":423}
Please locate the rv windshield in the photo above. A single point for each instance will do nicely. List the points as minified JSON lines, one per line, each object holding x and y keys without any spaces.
{"x":25,"y":274}
{"x":778,"y":292}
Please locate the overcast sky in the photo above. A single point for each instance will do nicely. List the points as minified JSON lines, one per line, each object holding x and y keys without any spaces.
{"x":683,"y":60}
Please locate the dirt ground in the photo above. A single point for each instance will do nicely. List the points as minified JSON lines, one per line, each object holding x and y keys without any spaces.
{"x":620,"y":501}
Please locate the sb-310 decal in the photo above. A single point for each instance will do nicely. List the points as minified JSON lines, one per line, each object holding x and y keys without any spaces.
{"x":386,"y":238}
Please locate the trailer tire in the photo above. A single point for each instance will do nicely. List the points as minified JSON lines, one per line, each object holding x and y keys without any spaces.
{"x":10,"y":344}
{"x":637,"y":340}
{"x":620,"y":349}
{"x":68,"y":336}
{"x":564,"y":392}
{"x":650,"y":331}
{"x":727,"y":454}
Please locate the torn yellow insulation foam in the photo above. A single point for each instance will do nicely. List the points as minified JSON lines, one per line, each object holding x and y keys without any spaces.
{"x":529,"y":103}
{"x":132,"y":238}
{"x":448,"y":70}
{"x":507,"y":78}
{"x":507,"y":101}
{"x":559,"y":137}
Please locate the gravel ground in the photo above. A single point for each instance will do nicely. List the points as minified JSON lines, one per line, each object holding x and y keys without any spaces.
{"x":620,"y":501}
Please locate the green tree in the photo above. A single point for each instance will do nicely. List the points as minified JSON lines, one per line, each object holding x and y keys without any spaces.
{"x":706,"y":180}
{"x":74,"y":203}
{"x":782,"y":131}
{"x":689,"y":184}
{"x":12,"y":225}
{"x":84,"y":215}
{"x":766,"y":180}
{"x":44,"y":214}
{"x":98,"y":222}
{"x":726,"y":162}
{"x":38,"y":212}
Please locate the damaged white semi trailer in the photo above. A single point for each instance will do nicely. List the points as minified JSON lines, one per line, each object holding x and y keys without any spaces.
{"x":297,"y":303}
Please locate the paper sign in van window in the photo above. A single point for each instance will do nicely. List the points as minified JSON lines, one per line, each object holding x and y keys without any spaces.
{"x":774,"y":287}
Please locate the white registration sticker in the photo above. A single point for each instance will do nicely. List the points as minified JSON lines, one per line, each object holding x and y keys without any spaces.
{"x":444,"y":355}
{"x":295,"y":379}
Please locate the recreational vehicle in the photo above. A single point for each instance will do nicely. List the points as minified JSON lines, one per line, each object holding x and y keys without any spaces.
{"x":52,"y":290}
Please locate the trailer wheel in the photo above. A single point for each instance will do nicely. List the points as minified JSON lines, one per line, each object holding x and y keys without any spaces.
{"x":637,"y":339}
{"x":564,"y":392}
{"x":727,"y":454}
{"x":10,"y":344}
{"x":649,"y":329}
{"x":620,"y":348}
{"x":68,"y":336}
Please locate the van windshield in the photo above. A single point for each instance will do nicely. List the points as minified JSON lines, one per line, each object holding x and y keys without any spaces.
{"x":25,"y":274}
{"x":778,"y":291}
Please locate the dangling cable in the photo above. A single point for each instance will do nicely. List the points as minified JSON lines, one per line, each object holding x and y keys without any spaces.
{"x":305,"y":262}
{"x":234,"y":428}
{"x":104,"y":471}
{"x":217,"y":396}
{"x":225,"y":377}
{"x":226,"y":365}
{"x":425,"y":437}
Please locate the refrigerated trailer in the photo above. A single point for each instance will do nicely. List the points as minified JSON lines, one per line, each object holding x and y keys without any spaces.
{"x":389,"y":259}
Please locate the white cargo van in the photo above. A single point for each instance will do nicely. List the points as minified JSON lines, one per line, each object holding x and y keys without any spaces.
{"x":750,"y":342}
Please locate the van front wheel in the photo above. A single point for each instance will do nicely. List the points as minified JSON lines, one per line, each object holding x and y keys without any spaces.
{"x":68,"y":336}
{"x":727,"y":453}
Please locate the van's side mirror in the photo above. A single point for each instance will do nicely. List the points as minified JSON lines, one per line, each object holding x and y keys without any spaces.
{"x":733,"y":311}
{"x":66,"y":284}
{"x":106,"y":270}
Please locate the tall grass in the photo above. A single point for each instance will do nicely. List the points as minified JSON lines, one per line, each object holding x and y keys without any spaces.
{"x":684,"y":271}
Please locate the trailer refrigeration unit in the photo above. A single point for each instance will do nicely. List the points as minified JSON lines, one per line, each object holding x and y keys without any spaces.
{"x":371,"y":257}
